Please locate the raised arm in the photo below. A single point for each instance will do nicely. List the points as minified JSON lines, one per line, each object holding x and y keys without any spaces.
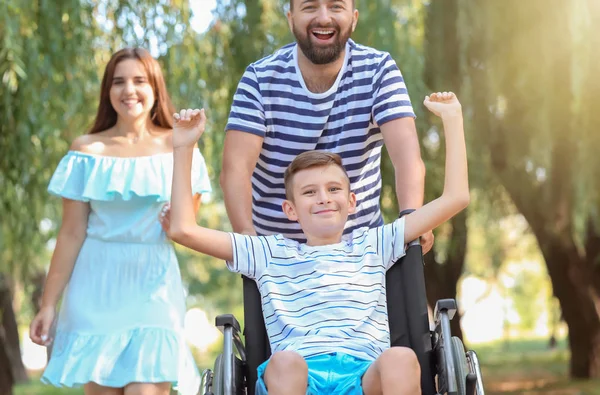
{"x":189,"y":126}
{"x":240,"y":154}
{"x":455,"y":196}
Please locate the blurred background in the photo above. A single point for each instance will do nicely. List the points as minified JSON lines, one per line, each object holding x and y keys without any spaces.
{"x":523,"y":261}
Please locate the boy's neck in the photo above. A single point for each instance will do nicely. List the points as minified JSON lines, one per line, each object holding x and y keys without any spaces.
{"x":324,"y":240}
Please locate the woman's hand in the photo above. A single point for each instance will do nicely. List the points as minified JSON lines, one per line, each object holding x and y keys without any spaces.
{"x":40,"y":326}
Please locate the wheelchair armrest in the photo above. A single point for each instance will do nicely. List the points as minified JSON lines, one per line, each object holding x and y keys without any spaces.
{"x":230,"y":327}
{"x":225,"y":320}
{"x":449,"y":305}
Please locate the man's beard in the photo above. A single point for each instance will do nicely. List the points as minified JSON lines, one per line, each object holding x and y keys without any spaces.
{"x":319,"y":54}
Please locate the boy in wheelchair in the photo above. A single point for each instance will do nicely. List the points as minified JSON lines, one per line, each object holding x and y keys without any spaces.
{"x":324,"y":302}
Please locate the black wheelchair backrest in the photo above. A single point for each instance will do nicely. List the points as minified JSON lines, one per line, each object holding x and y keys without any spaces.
{"x":407,"y":314}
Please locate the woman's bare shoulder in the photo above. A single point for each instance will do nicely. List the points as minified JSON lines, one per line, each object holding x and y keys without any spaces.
{"x":95,"y":143}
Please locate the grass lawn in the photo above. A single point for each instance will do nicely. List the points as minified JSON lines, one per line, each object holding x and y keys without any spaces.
{"x":35,"y":387}
{"x":521,"y":367}
{"x":530,"y":368}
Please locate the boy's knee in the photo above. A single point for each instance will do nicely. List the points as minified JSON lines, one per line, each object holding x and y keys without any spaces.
{"x":402,"y":359}
{"x":287,"y":362}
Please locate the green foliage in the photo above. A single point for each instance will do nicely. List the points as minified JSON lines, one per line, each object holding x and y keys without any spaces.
{"x":539,"y":128}
{"x":45,"y":70}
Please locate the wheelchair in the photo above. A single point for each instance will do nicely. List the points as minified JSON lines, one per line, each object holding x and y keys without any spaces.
{"x":446,"y":368}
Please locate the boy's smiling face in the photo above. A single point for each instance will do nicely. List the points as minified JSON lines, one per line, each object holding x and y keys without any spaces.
{"x":321,"y":203}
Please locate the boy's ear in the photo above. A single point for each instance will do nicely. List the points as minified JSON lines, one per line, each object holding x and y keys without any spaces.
{"x":351,"y":203}
{"x":289,"y":210}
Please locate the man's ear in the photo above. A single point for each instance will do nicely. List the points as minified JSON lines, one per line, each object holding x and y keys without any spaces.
{"x":289,"y":210}
{"x":354,"y":20}
{"x":290,"y":23}
{"x":351,"y":203}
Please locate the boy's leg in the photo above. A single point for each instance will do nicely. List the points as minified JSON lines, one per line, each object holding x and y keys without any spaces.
{"x":396,"y":372}
{"x":286,"y":374}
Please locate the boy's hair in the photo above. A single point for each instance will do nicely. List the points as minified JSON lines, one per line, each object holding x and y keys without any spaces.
{"x":308,"y":160}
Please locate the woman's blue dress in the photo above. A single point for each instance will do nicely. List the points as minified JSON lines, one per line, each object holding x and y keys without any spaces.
{"x":122,"y":314}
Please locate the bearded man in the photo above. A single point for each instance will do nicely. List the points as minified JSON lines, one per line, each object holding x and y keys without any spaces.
{"x":323,"y":92}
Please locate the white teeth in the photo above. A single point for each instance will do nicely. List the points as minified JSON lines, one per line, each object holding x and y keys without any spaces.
{"x":323,"y":31}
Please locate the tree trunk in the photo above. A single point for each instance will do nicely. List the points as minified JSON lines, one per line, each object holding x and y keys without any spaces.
{"x":442,"y":278}
{"x":572,"y":285}
{"x":6,"y":378}
{"x":442,"y":289}
{"x":12,"y":369}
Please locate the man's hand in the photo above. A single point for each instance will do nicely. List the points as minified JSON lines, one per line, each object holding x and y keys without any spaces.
{"x":189,"y":126}
{"x":427,"y":242}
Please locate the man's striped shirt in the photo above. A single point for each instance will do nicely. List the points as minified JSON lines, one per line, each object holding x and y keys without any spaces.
{"x":272,"y":101}
{"x":323,"y":299}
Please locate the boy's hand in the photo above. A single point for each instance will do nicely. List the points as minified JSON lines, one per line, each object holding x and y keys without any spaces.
{"x":443,"y":104}
{"x":189,"y":126}
{"x":165,"y":218}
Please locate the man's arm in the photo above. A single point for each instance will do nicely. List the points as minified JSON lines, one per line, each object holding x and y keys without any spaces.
{"x":402,"y":143}
{"x":240,"y":154}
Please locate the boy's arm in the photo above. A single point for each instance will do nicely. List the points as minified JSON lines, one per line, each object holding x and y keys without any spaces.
{"x":455,"y":196}
{"x":189,"y":126}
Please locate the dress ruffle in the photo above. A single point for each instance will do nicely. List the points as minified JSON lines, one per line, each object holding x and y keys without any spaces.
{"x":115,"y":360}
{"x":85,"y":177}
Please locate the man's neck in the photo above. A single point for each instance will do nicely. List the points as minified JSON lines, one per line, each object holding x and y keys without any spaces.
{"x":319,"y":78}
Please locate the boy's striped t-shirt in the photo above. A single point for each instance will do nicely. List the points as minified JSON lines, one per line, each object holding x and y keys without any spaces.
{"x":323,"y":299}
{"x":272,"y":101}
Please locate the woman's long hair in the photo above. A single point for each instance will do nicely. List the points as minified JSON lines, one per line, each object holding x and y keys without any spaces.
{"x":162,"y":111}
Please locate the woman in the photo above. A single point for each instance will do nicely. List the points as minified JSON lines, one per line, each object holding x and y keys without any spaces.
{"x":120,"y":327}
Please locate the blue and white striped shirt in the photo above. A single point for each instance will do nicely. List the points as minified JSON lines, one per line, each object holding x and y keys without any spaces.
{"x":272,"y":101}
{"x":323,"y":299}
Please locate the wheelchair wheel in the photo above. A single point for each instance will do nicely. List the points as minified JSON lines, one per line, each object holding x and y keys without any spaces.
{"x":461,"y":367}
{"x":217,"y":383}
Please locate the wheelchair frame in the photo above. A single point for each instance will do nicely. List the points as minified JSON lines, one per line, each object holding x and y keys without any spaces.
{"x":440,"y":355}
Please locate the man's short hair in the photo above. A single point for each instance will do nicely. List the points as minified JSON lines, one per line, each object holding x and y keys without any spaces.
{"x":292,"y":4}
{"x":308,"y":160}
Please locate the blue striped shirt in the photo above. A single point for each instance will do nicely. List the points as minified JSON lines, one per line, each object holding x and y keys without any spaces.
{"x":323,"y":299}
{"x":272,"y":101}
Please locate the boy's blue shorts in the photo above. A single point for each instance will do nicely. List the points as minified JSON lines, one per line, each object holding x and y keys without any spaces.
{"x":332,"y":374}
